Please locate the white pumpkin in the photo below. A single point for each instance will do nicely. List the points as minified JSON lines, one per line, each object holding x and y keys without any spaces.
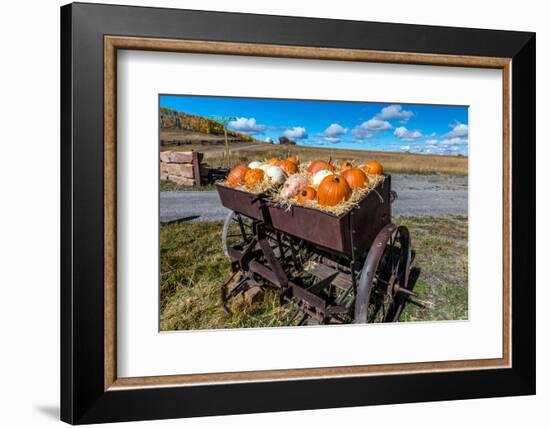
{"x":275,"y":174}
{"x":319,"y":175}
{"x":255,"y":165}
{"x":264,"y":167}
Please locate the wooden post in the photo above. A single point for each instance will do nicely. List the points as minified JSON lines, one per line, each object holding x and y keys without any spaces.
{"x":226,"y":146}
{"x":197,"y":168}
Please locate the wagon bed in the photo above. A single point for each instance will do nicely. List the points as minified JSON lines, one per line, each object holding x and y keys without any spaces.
{"x":352,"y":267}
{"x":349,"y":234}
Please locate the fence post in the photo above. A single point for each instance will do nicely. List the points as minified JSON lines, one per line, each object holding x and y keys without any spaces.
{"x":197,"y":168}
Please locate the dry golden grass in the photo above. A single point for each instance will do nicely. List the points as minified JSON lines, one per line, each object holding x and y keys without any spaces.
{"x":193,"y":267}
{"x":199,"y":141}
{"x":392,"y":162}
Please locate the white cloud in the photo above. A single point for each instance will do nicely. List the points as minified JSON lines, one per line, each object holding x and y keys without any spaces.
{"x":457,"y":130}
{"x":405,"y":147}
{"x":377,"y":125}
{"x":362,"y":133}
{"x":371,"y":126}
{"x":458,"y":135}
{"x":453,"y":141}
{"x":296,"y":133}
{"x":407,"y":135}
{"x":394,"y":112}
{"x":268,"y":140}
{"x":447,"y":146}
{"x":247,"y":126}
{"x":333,"y":132}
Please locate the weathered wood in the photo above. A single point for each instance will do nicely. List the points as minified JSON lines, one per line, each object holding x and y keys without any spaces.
{"x":165,"y":157}
{"x":183,"y":168}
{"x":181,"y":157}
{"x":182,"y":181}
{"x":180,"y":169}
{"x":197,"y":168}
{"x":169,"y":156}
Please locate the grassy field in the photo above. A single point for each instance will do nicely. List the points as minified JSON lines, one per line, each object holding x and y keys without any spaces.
{"x":193,"y":266}
{"x":393,"y":162}
{"x":170,"y":186}
{"x":205,"y":141}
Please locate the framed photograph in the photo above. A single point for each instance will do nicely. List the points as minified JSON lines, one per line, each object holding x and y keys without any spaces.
{"x":267,"y":213}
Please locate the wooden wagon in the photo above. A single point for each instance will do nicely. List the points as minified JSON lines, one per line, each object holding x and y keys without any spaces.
{"x":344,"y":268}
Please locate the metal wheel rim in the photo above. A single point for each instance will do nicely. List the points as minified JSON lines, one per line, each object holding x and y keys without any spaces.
{"x":370,"y":274}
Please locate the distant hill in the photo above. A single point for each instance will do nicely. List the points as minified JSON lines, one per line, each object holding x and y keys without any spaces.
{"x":191,"y":127}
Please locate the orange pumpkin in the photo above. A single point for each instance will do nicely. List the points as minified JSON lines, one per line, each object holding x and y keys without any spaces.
{"x":318,"y":165}
{"x":272,"y":161}
{"x":373,"y":168}
{"x":307,"y":194}
{"x":236,"y":175}
{"x":253,"y":177}
{"x":288,"y":167}
{"x":345,"y":166}
{"x":355,"y":178}
{"x":333,"y":190}
{"x":293,"y":159}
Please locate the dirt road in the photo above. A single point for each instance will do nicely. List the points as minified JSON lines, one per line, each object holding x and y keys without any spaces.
{"x":418,"y":195}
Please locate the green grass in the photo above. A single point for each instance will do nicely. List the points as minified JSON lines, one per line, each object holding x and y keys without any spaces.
{"x":193,"y":267}
{"x":441,"y":247}
{"x":170,"y":186}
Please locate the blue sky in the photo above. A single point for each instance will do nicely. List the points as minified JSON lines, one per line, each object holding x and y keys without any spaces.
{"x":391,"y":127}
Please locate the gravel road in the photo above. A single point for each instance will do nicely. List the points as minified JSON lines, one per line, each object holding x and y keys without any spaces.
{"x":418,"y":195}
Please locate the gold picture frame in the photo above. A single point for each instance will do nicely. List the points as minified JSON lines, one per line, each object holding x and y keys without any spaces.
{"x":114,"y":43}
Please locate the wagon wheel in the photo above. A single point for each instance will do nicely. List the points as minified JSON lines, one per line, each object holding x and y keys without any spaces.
{"x":383,"y":285}
{"x":237,"y":231}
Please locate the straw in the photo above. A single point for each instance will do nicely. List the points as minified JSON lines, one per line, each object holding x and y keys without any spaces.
{"x":357,"y":195}
{"x":264,"y":186}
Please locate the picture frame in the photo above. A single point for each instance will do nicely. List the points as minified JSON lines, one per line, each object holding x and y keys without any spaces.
{"x":91,"y":391}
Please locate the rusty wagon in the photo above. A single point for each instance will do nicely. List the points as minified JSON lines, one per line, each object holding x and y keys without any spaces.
{"x":349,"y":268}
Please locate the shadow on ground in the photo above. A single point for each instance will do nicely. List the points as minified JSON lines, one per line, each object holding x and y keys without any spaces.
{"x":49,"y":410}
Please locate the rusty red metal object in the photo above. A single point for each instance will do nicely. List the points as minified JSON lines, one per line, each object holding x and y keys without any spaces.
{"x":242,"y":202}
{"x":280,"y":241}
{"x":349,"y":234}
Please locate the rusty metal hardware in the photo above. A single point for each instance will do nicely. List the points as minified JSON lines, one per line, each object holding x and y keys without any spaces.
{"x":312,"y":257}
